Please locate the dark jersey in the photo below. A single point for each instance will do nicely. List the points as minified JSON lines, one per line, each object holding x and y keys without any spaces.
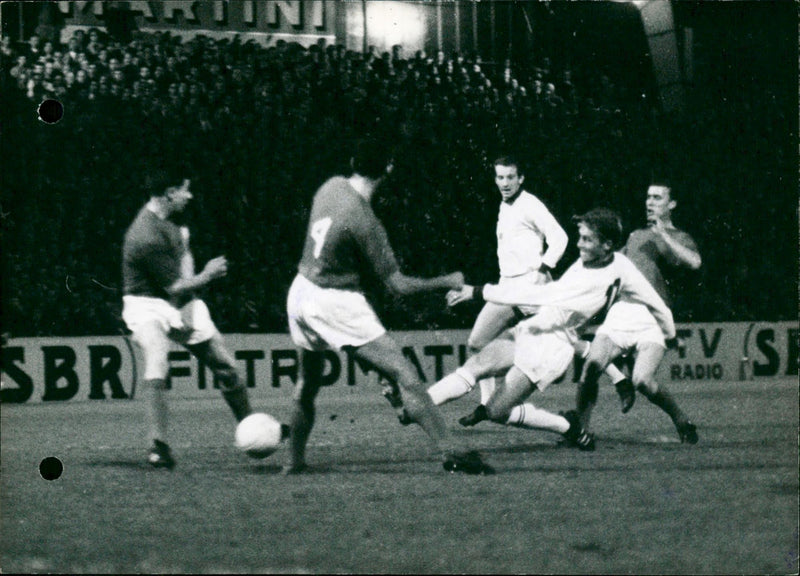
{"x":654,"y":259}
{"x":151,"y":255}
{"x":344,"y":239}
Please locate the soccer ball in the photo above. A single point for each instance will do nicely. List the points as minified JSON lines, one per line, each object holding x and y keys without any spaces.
{"x":258,"y":435}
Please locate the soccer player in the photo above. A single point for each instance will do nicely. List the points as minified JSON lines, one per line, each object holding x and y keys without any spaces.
{"x":530,"y":243}
{"x":160,"y":304}
{"x":657,"y":251}
{"x":544,"y":344}
{"x":327,"y":308}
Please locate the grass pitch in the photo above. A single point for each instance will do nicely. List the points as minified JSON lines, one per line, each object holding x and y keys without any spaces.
{"x":378,"y":501}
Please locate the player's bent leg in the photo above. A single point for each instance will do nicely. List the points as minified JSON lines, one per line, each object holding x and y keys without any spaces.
{"x":214,"y":354}
{"x":492,"y":320}
{"x":648,"y":358}
{"x":514,"y":389}
{"x":386,"y":356}
{"x":602,"y":351}
{"x":309,"y":380}
{"x":495,"y":359}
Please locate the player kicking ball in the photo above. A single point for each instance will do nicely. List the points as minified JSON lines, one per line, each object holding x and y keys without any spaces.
{"x":160,"y":306}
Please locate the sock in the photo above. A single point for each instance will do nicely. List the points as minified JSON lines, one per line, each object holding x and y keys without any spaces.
{"x":157,"y":411}
{"x":615,"y":374}
{"x":664,"y":400}
{"x":487,"y":389}
{"x":529,"y":416}
{"x":235,"y":396}
{"x":452,"y":386}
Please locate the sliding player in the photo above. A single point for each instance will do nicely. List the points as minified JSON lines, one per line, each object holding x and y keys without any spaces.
{"x":543,"y":345}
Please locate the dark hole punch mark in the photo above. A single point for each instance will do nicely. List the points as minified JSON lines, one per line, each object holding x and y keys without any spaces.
{"x":51,"y":468}
{"x":51,"y":111}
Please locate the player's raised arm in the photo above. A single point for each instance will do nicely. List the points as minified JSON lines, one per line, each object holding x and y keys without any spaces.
{"x":680,"y":246}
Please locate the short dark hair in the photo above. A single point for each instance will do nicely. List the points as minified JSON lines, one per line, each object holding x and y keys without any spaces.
{"x":605,"y":223}
{"x":157,"y":180}
{"x":509,"y":160}
{"x":371,"y":157}
{"x":665,"y":183}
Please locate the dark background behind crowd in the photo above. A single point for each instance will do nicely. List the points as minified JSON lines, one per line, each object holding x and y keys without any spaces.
{"x":258,"y":129}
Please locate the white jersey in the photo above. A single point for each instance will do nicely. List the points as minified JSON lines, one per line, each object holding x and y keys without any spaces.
{"x":523,"y":228}
{"x":581,"y":293}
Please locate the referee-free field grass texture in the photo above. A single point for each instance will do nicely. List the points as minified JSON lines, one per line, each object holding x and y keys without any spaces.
{"x":377,"y":500}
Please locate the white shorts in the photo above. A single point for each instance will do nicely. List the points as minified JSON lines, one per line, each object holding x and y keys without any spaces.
{"x":630,"y":325}
{"x":321,"y":318}
{"x":543,"y":357}
{"x":154,"y":322}
{"x":527,"y":279}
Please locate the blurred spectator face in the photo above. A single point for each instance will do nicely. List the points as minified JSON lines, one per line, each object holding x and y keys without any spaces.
{"x":144,"y":72}
{"x":48,"y":69}
{"x":113,"y":64}
{"x":73,"y":45}
{"x":127,"y":59}
{"x":91,"y":71}
{"x":48,"y":48}
{"x":34,"y":43}
{"x":102,"y":56}
{"x":117,"y":75}
{"x":537,"y":87}
{"x":38,"y":70}
{"x":183,"y":89}
{"x":80,"y":77}
{"x":94,"y":35}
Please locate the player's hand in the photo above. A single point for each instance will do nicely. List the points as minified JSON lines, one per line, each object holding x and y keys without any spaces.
{"x":216,"y":268}
{"x":543,"y":277}
{"x":458,"y":296}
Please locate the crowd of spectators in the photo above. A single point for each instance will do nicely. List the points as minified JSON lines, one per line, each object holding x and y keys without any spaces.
{"x":257,"y":129}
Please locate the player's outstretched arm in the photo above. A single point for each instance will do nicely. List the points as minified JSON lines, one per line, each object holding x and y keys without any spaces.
{"x":400,"y":284}
{"x":214,"y":268}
